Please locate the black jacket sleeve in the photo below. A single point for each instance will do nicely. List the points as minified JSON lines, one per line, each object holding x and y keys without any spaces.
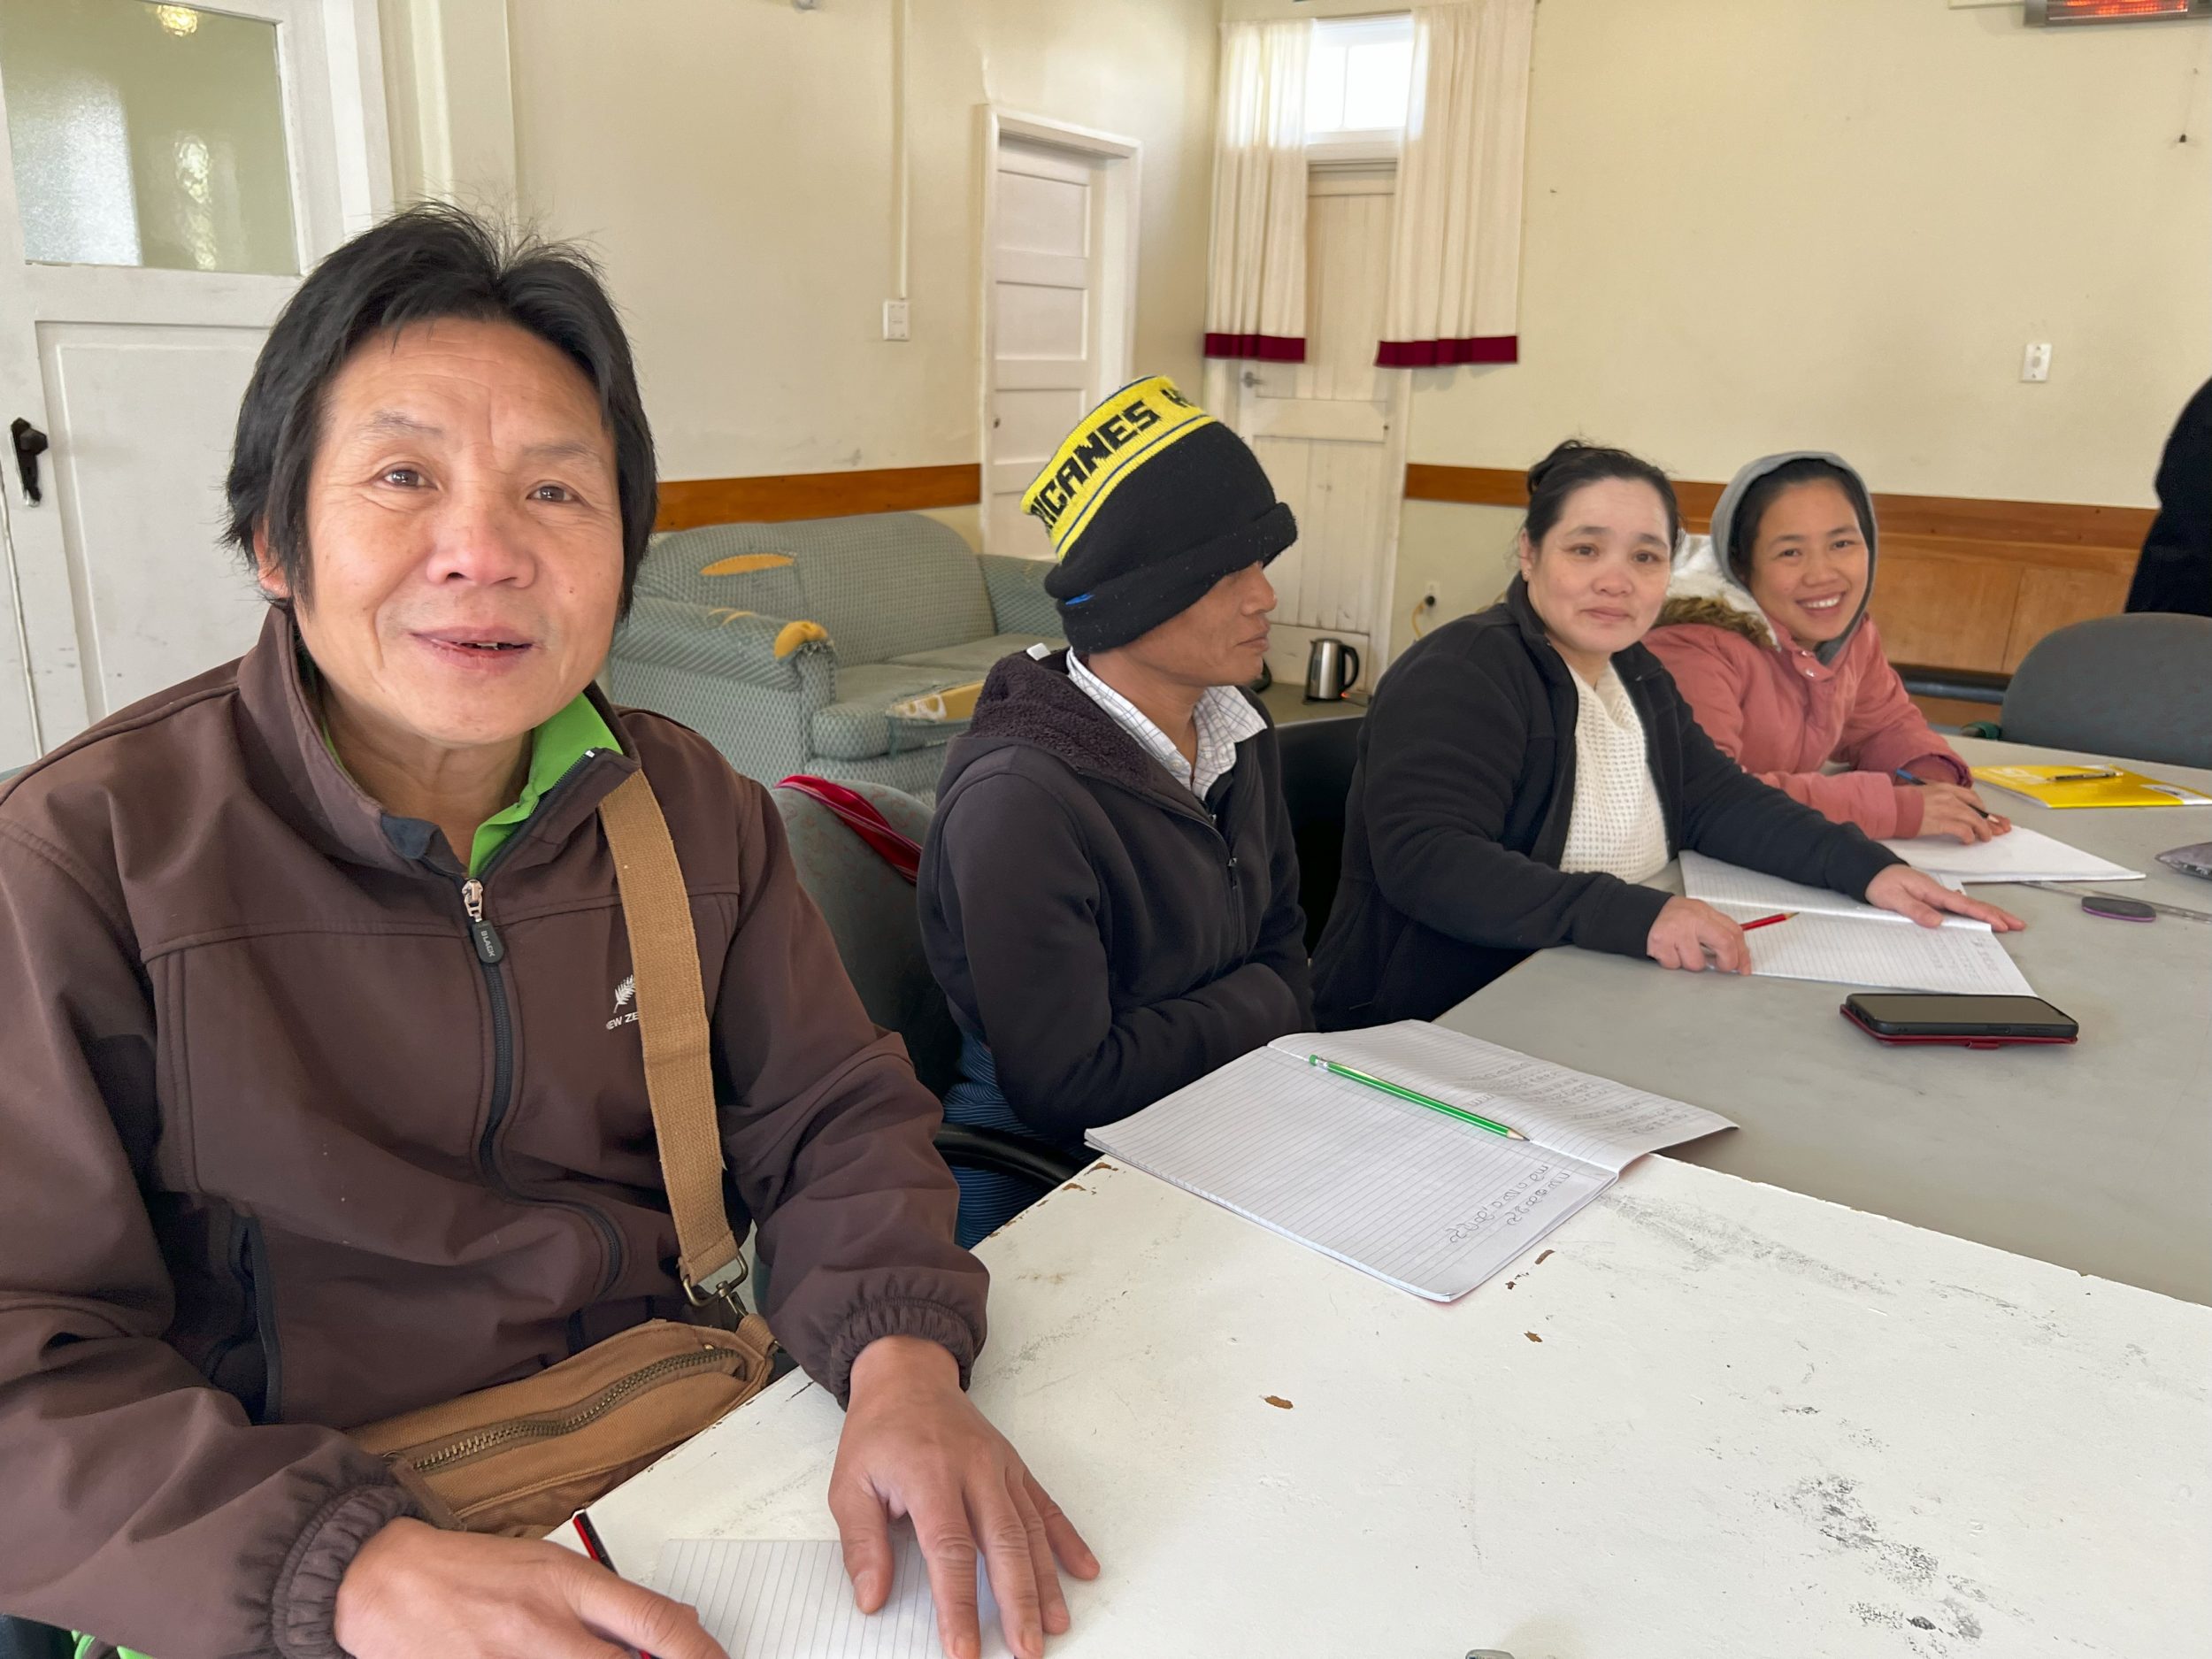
{"x":1443,"y":757}
{"x":1730,"y":815}
{"x":1029,"y":903}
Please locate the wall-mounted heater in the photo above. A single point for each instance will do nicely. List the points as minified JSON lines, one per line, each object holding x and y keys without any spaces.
{"x":2050,"y":14}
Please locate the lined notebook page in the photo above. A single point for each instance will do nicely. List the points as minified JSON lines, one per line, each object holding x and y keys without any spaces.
{"x":1718,"y":883}
{"x":792,"y":1601}
{"x":1420,"y":1200}
{"x":1592,"y":1119}
{"x":2024,"y":855}
{"x":1844,"y":950}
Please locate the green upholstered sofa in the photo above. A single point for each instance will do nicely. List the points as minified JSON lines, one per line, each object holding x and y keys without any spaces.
{"x":786,"y":644}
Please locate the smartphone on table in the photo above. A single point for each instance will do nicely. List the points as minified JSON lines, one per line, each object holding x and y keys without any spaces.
{"x":1976,"y":1022}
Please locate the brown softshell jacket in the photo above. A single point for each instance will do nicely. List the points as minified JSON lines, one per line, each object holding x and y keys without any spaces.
{"x":280,"y":1153}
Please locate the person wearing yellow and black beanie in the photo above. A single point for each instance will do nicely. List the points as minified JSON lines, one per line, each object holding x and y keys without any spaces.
{"x":1150,"y":502}
{"x":1109,"y":891}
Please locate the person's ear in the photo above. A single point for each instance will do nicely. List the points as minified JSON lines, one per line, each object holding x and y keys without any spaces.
{"x":268,"y":571}
{"x":1524,"y":550}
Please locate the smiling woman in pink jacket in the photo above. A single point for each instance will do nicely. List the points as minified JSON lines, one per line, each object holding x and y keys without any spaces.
{"x":1766,"y":632}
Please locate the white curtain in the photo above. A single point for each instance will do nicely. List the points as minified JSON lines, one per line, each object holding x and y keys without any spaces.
{"x":1255,"y":286}
{"x":1455,"y":228}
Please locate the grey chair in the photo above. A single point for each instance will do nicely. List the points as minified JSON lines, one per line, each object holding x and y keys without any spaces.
{"x":872,"y":917}
{"x":2138,"y":687}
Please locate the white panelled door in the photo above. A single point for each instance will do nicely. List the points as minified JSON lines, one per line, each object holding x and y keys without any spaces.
{"x":1329,"y":431}
{"x":166,"y":173}
{"x":1046,"y":272}
{"x":1059,"y":264}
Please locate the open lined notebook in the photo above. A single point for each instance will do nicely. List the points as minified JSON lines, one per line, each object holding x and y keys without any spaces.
{"x":790,"y":1600}
{"x":1419,"y":1199}
{"x":1846,"y":941}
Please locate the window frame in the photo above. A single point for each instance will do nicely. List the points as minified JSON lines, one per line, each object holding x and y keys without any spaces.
{"x":1357,"y":146}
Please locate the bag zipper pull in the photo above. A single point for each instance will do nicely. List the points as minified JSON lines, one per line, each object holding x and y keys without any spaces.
{"x":489,"y":946}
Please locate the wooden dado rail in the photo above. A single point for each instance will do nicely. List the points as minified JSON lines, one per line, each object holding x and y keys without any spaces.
{"x":1964,"y":583}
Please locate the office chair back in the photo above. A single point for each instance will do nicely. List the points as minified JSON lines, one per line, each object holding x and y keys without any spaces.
{"x":2138,"y":687}
{"x":872,"y":916}
{"x":1317,"y":759}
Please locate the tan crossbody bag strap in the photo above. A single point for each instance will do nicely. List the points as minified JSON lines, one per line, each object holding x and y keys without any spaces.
{"x":671,"y":1019}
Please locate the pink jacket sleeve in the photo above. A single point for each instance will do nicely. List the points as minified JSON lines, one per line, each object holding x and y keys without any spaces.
{"x":1714,"y":670}
{"x":1883,"y":731}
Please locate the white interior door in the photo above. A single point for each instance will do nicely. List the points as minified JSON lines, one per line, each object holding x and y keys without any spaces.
{"x":1059,"y":289}
{"x":166,"y":173}
{"x":1329,"y":431}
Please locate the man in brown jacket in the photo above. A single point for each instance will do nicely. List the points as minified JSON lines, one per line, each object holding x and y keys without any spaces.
{"x":321,"y":1101}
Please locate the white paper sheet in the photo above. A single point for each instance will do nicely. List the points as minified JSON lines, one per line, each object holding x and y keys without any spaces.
{"x":2024,"y":854}
{"x":1890,"y":953}
{"x":1419,"y":1199}
{"x":785,"y":1600}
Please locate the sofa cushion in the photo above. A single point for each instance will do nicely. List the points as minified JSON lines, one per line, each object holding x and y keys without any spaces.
{"x":858,"y":726}
{"x":883,"y":584}
{"x":976,"y":656}
{"x":676,"y":563}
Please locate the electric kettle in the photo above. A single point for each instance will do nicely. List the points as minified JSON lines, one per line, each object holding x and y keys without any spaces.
{"x":1330,"y":668}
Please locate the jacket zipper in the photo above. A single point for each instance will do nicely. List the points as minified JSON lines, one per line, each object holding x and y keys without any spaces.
{"x":497,"y":1435}
{"x":491,"y":955}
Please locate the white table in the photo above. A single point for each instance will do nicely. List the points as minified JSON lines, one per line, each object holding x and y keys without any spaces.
{"x":2096,"y":1157}
{"x":1754,"y":1425}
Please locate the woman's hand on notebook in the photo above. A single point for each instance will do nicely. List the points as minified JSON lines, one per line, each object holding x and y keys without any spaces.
{"x":413,"y":1590}
{"x":1691,"y":934}
{"x":1947,"y":810}
{"x":1921,"y":898}
{"x":914,"y":1445}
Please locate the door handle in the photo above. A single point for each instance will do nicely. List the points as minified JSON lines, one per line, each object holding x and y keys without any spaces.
{"x":30,"y":444}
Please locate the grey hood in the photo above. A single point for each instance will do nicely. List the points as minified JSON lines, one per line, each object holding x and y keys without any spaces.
{"x":1724,"y":523}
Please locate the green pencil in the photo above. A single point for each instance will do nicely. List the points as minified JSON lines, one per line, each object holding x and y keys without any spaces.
{"x":1403,"y":1093}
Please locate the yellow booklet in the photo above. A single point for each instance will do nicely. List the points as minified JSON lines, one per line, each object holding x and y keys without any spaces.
{"x":2088,"y":784}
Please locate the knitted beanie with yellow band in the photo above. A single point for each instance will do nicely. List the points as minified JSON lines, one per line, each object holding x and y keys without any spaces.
{"x":1149,"y":503}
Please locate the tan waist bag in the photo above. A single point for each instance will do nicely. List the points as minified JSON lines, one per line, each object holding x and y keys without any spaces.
{"x":520,"y":1459}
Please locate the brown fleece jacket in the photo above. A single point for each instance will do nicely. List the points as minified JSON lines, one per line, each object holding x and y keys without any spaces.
{"x":286,"y":1154}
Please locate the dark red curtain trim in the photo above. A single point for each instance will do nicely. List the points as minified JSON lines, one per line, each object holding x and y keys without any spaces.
{"x":1266,"y":348}
{"x":1429,"y":354}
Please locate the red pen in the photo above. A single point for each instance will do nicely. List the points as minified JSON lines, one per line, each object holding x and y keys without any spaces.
{"x":1769,"y":921}
{"x":597,"y":1551}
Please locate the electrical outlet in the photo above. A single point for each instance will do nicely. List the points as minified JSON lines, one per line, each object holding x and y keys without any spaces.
{"x":2035,"y":362}
{"x":894,"y":319}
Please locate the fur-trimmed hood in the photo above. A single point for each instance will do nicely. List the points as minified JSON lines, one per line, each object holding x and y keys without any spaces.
{"x":1704,"y":589}
{"x":1701,"y":591}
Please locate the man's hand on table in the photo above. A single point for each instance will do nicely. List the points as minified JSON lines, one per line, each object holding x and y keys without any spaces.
{"x":414,"y":1590}
{"x":913,"y":1444}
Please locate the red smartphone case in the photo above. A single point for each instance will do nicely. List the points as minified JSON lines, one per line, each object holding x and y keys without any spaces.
{"x":1955,"y":1041}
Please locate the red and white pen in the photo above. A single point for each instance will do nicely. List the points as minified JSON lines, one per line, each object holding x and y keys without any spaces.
{"x":597,"y":1551}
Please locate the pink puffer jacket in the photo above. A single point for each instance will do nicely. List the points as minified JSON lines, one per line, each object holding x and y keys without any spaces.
{"x":1784,"y":714}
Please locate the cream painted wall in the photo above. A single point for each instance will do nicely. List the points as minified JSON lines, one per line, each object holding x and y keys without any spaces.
{"x":1755,"y":224}
{"x":732,"y":161}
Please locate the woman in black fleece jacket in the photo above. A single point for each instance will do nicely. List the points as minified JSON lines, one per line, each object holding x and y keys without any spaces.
{"x":1463,"y":798}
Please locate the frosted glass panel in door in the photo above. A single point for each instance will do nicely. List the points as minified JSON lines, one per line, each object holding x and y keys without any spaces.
{"x":147,"y":136}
